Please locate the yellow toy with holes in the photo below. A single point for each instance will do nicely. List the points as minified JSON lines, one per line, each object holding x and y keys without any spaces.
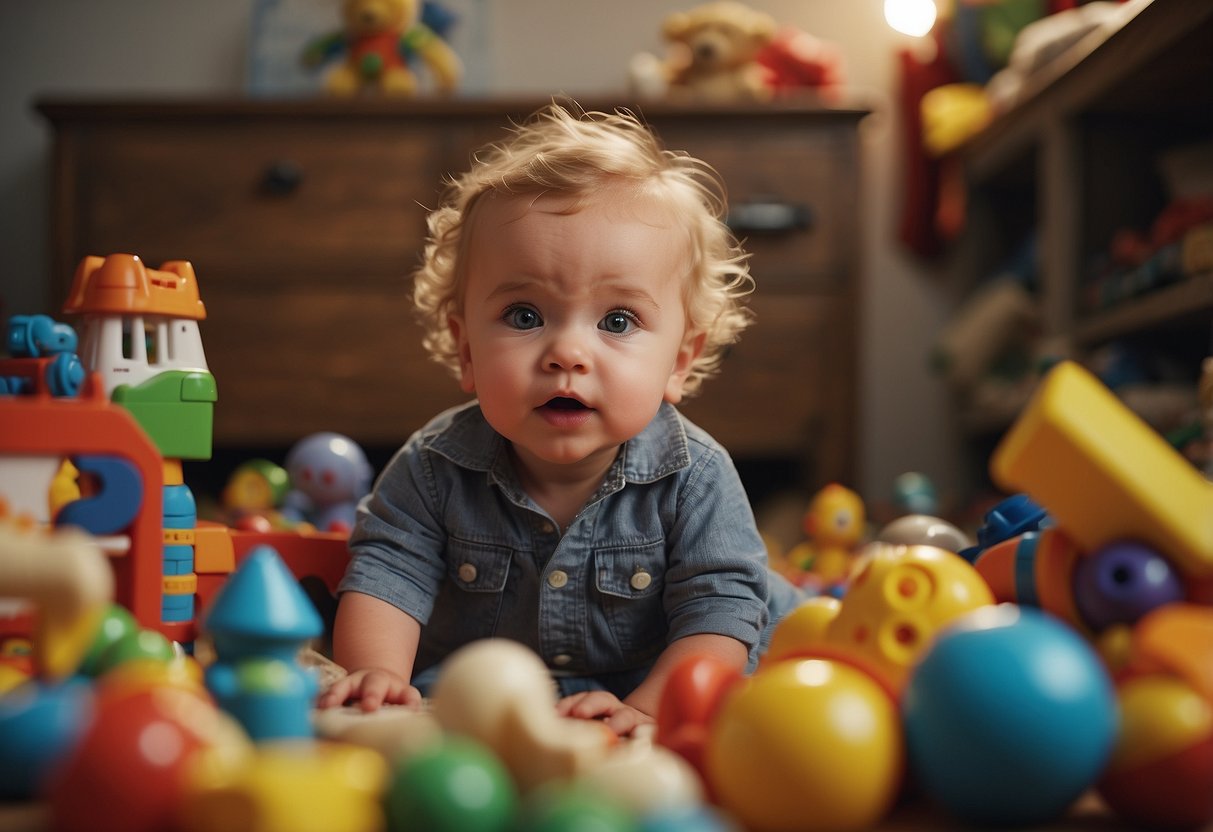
{"x":898,"y":599}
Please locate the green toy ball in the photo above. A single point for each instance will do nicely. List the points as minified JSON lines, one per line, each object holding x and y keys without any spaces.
{"x":139,"y":644}
{"x":563,"y":809}
{"x":116,"y":625}
{"x":457,"y":786}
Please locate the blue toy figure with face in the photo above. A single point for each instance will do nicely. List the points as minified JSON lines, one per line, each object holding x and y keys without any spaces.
{"x":329,"y":475}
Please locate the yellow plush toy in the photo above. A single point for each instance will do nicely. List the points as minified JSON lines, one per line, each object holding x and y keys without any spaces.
{"x":378,"y":39}
{"x":713,"y":55}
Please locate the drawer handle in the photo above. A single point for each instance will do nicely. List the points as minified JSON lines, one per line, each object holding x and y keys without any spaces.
{"x":281,"y":178}
{"x":769,"y":216}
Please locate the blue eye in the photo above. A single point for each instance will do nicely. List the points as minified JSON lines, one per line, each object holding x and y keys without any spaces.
{"x":618,"y":322}
{"x":522,"y":317}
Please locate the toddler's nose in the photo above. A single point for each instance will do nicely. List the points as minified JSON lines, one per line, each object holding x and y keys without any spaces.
{"x":566,"y":352}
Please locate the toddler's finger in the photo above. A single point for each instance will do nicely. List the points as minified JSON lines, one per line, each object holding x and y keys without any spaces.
{"x":566,"y":704}
{"x":374,"y":690}
{"x":336,"y":695}
{"x":593,"y":704}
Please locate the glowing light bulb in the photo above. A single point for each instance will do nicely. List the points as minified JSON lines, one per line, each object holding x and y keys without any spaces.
{"x":910,"y":17}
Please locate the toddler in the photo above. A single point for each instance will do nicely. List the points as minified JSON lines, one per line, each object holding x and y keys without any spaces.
{"x":579,"y":280}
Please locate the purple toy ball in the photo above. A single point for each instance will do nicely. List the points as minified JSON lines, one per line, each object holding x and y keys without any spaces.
{"x":1121,"y":582}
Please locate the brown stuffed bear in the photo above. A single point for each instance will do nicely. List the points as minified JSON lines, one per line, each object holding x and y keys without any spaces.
{"x":713,"y":51}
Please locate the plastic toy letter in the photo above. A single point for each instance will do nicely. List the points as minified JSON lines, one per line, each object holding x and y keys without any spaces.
{"x":1104,"y":474}
{"x":117,"y":503}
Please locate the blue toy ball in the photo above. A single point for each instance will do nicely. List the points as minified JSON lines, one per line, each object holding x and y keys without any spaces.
{"x":1009,"y":717}
{"x":687,"y":819}
{"x":39,"y":725}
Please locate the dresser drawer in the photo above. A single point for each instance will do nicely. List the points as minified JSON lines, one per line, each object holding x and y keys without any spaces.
{"x":343,"y":357}
{"x":792,"y":199}
{"x":277,"y":201}
{"x":785,"y":384}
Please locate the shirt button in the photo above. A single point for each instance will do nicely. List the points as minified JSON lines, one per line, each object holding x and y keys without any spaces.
{"x":558,"y":579}
{"x":561,"y":659}
{"x":641,"y":580}
{"x":547,"y":528}
{"x":467,"y":573}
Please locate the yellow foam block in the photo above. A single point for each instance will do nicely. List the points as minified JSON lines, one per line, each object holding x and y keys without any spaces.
{"x":1104,"y":474}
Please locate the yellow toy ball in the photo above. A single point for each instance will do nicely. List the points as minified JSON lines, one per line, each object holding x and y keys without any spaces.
{"x":802,"y":629}
{"x":806,"y":745}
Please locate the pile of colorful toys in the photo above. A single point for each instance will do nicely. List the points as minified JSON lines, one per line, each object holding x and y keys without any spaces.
{"x":1069,"y":653}
{"x":1073,"y":655}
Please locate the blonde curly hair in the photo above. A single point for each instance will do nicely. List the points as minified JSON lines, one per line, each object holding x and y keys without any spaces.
{"x":575,"y":153}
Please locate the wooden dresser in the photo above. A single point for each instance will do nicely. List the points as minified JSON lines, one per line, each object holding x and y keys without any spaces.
{"x":303,"y":220}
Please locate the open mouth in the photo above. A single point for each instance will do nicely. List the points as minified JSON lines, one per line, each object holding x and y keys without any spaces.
{"x":564,"y":403}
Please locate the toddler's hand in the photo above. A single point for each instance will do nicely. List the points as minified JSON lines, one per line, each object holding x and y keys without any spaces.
{"x":599,"y":704}
{"x":370,"y":688}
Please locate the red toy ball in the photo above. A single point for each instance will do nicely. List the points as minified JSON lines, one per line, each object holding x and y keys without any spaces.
{"x":127,"y":772}
{"x":692,"y":695}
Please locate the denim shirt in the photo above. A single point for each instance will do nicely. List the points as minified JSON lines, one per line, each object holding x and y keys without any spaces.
{"x":667,"y":547}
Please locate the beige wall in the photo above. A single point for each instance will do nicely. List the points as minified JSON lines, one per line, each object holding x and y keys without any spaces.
{"x":127,"y":47}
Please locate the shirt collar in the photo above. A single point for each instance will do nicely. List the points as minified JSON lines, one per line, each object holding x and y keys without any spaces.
{"x":657,"y":451}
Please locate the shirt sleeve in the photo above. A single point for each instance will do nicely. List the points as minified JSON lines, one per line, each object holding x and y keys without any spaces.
{"x":716,"y":578}
{"x":397,"y":544}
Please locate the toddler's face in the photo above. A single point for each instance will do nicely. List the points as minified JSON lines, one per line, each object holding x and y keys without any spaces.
{"x":573,"y":328}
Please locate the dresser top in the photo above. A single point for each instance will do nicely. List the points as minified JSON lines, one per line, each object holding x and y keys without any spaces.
{"x":65,"y":109}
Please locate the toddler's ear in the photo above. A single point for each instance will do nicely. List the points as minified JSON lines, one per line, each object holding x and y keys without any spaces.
{"x":692,"y":347}
{"x":467,"y":379}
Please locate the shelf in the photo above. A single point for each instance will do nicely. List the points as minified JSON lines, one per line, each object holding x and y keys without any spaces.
{"x":1153,"y":63}
{"x":1190,"y":298}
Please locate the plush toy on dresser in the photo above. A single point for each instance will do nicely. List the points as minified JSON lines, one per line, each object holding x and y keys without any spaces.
{"x":377,"y":42}
{"x":713,"y":51}
{"x":727,"y":51}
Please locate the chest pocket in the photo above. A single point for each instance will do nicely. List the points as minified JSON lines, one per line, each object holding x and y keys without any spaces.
{"x":630,"y":581}
{"x":477,"y":567}
{"x":469,"y":601}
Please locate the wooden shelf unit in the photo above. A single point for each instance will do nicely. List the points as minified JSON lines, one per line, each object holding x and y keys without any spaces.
{"x":1074,"y":160}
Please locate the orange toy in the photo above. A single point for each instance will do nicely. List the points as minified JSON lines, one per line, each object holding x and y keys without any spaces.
{"x":1035,"y":569}
{"x":1162,"y":765}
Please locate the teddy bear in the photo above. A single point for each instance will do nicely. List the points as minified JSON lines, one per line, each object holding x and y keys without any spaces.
{"x":378,"y":40}
{"x":712,"y":55}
